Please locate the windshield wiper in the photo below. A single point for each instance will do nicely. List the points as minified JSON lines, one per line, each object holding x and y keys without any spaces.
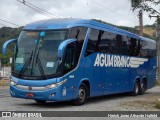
{"x":41,"y":68}
{"x":38,"y":61}
{"x":28,"y":62}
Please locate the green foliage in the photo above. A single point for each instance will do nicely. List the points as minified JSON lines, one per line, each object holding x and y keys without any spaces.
{"x":150,"y":26}
{"x":145,"y":5}
{"x":136,"y":31}
{"x":158,"y":103}
{"x":7,"y":33}
{"x":130,"y":29}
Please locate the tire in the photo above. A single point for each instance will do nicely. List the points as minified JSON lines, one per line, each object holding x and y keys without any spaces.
{"x":40,"y":101}
{"x":82,"y":95}
{"x":145,"y":83}
{"x":142,"y":87}
{"x":136,"y":89}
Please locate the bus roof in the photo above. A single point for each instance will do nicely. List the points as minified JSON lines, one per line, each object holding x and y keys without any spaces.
{"x":61,"y":23}
{"x":64,"y":23}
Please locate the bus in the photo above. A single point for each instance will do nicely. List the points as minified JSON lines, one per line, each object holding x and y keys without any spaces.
{"x":71,"y":59}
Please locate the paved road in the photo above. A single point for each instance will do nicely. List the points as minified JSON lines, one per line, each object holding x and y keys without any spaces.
{"x":107,"y":103}
{"x":118,"y":102}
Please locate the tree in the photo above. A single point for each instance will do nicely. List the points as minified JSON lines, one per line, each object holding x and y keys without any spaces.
{"x":144,"y":6}
{"x":7,"y":33}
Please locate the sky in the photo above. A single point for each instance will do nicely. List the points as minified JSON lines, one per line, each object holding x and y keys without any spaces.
{"x":117,"y":12}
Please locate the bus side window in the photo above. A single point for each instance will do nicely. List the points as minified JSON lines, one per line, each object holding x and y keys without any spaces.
{"x":101,"y":41}
{"x":148,"y":49}
{"x":92,"y":42}
{"x":78,"y":33}
{"x":134,"y":47}
{"x":108,"y":43}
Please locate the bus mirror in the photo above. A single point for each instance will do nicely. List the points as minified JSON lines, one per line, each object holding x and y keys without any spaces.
{"x":6,"y":44}
{"x":63,"y":45}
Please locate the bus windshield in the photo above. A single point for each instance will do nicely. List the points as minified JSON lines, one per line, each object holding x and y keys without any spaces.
{"x":36,"y":54}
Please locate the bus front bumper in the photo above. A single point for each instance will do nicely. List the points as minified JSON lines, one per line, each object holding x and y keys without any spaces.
{"x":53,"y":94}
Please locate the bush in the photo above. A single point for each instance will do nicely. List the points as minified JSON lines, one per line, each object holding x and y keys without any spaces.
{"x":4,"y":82}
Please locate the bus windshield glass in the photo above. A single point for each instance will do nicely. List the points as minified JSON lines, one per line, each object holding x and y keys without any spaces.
{"x":36,"y":54}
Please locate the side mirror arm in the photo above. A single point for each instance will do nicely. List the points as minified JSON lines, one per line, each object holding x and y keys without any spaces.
{"x":62,"y":46}
{"x":6,"y":44}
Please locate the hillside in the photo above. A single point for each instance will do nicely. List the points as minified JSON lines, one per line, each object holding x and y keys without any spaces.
{"x":7,"y":33}
{"x":149,"y":30}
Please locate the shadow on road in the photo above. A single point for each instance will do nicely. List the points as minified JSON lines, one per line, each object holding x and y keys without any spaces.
{"x":4,"y":93}
{"x":93,"y":100}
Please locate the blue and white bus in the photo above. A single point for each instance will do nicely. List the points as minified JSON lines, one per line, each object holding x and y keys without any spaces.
{"x":74,"y":59}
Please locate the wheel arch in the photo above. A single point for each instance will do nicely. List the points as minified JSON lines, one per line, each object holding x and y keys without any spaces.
{"x":144,"y":79}
{"x":137,"y":79}
{"x":87,"y":83}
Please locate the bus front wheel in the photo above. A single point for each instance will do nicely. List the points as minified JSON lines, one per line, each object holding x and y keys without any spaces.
{"x":82,"y":95}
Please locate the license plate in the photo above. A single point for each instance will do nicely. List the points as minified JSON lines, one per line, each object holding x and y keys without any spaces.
{"x":30,"y":95}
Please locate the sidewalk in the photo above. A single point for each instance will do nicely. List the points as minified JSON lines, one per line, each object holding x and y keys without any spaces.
{"x":4,"y":88}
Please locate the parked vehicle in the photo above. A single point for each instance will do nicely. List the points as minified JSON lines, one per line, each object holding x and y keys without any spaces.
{"x":73,"y":59}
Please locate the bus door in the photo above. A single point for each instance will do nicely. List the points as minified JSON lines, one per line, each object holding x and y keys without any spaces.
{"x":70,"y":62}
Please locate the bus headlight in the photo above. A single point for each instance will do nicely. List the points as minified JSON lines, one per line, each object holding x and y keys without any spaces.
{"x":51,"y":86}
{"x":13,"y":83}
{"x":62,"y":82}
{"x":56,"y":84}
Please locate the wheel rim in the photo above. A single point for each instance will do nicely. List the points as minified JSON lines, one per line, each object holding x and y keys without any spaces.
{"x":136,"y":88}
{"x":142,"y":86}
{"x":81,"y":95}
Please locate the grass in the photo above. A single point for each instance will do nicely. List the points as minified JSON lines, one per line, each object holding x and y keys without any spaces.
{"x":158,"y":101}
{"x":158,"y":82}
{"x":4,"y":82}
{"x":149,"y":31}
{"x":158,"y":104}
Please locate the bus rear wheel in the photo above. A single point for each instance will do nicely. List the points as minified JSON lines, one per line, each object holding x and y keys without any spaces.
{"x":142,"y":88}
{"x":136,"y":89}
{"x":82,"y":95}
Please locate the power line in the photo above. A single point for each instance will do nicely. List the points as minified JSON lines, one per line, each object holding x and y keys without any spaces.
{"x":37,"y":9}
{"x":43,"y":10}
{"x":10,"y":22}
{"x":24,"y":2}
{"x":2,"y":24}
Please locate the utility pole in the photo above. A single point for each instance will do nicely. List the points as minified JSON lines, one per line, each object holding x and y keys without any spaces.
{"x":158,"y":43}
{"x":141,"y":22}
